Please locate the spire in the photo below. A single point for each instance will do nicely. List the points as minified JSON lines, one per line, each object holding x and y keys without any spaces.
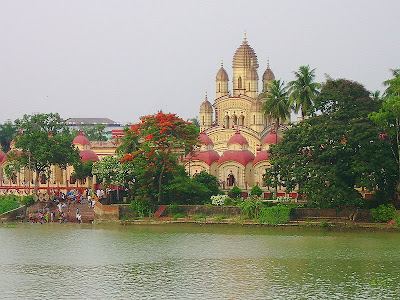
{"x":245,"y":38}
{"x":206,"y":97}
{"x":222,"y":63}
{"x":268,"y":63}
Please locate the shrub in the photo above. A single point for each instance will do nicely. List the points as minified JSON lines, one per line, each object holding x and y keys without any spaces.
{"x":8,"y":202}
{"x":251,"y":208}
{"x":219,"y":199}
{"x":274,"y":215}
{"x":173,"y":209}
{"x":235,"y":192}
{"x":141,"y":208}
{"x":28,"y":200}
{"x":256,"y":191}
{"x":384,"y":213}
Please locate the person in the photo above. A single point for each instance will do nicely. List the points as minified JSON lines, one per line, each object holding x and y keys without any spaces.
{"x":52,"y":216}
{"x":89,"y":200}
{"x":77,"y":214}
{"x":79,"y":218}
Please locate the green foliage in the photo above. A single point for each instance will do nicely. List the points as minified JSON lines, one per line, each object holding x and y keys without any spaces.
{"x":92,"y":132}
{"x":303,"y":90}
{"x":277,"y":104}
{"x":7,"y":131}
{"x":173,"y":209}
{"x":328,"y":155}
{"x":43,"y":140}
{"x":256,"y":191}
{"x":235,"y":192}
{"x":274,"y":215}
{"x":83,"y":169}
{"x":178,"y":216}
{"x":200,"y":217}
{"x":28,"y":200}
{"x":325,"y":224}
{"x":163,"y":139}
{"x":384,"y":213}
{"x":210,"y":181}
{"x":251,"y":208}
{"x":8,"y":202}
{"x":141,"y":207}
{"x":111,"y":171}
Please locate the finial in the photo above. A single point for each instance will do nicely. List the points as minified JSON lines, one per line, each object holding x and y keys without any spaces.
{"x":222,"y":63}
{"x":268,"y":63}
{"x":245,"y":37}
{"x":206,"y":95}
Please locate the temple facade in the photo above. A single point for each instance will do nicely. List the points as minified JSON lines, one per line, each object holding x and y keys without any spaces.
{"x":235,"y":132}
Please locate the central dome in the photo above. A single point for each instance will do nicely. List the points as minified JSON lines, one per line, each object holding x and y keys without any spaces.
{"x":245,"y":57}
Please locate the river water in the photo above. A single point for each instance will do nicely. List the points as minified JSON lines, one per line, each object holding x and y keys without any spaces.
{"x":71,"y":261}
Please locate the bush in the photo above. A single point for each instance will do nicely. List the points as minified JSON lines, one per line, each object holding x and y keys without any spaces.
{"x":251,"y":208}
{"x":28,"y":200}
{"x":384,"y":213}
{"x":219,"y":199}
{"x":8,"y":202}
{"x":141,"y":208}
{"x":274,"y":215}
{"x":256,"y":191}
{"x":235,"y":192}
{"x":173,"y":209}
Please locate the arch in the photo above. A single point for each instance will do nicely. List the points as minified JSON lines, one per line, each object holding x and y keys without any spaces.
{"x":249,"y":86}
{"x":204,"y":120}
{"x":254,"y":119}
{"x":234,"y":120}
{"x":241,"y":120}
{"x":219,"y":87}
{"x":230,"y":180}
{"x":239,"y":82}
{"x":226,"y":121}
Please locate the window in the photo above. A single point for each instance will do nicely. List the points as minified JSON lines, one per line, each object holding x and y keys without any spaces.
{"x":239,"y":82}
{"x":43,"y":179}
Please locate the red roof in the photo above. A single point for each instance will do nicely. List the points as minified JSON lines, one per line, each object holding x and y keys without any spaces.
{"x":271,"y":138}
{"x":241,"y":156}
{"x":207,"y":156}
{"x":88,"y":155}
{"x":205,"y":139}
{"x":261,"y":156}
{"x":237,"y":138}
{"x":81,"y":139}
{"x":2,"y":156}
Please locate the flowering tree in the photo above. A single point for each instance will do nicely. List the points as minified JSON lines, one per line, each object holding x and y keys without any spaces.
{"x":163,"y":139}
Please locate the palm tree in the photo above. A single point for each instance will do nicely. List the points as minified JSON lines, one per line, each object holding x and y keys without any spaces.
{"x":7,"y":131}
{"x":393,"y":86}
{"x":277,"y":104}
{"x":376,"y":96}
{"x":303,"y":90}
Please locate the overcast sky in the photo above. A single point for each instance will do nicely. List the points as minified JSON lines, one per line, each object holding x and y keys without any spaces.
{"x":125,"y":59}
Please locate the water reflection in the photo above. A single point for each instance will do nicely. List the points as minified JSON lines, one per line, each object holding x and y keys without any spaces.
{"x":70,"y":261}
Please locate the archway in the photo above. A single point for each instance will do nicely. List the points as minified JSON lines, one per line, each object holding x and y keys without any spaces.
{"x":230,"y":180}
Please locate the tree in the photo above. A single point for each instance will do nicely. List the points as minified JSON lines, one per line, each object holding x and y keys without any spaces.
{"x":195,"y":121}
{"x":388,"y":118}
{"x":277,"y":105}
{"x":7,"y":131}
{"x":83,"y":169}
{"x":92,"y":132}
{"x":129,"y":142}
{"x":303,"y":90}
{"x":210,"y":181}
{"x":327,"y":156}
{"x":256,"y":191}
{"x":43,"y":140}
{"x":112,"y":171}
{"x":235,"y":192}
{"x":164,"y":138}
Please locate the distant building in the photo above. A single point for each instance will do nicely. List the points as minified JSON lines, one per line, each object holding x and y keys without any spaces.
{"x":77,"y":123}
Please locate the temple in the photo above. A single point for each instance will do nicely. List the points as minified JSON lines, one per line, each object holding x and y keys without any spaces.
{"x":235,"y":132}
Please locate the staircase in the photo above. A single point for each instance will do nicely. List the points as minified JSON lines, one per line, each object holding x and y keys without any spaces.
{"x":86,"y":212}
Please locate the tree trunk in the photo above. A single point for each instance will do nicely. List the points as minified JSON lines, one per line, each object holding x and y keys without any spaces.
{"x":36,"y":187}
{"x":160,"y":183}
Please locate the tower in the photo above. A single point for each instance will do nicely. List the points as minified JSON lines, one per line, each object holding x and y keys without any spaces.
{"x":245,"y":65}
{"x":267,"y":78}
{"x":206,"y":114}
{"x":221,"y":82}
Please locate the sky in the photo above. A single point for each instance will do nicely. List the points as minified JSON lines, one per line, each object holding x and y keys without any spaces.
{"x":125,"y":59}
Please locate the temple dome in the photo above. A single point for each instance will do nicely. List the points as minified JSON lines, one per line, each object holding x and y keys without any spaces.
{"x":222,"y":75}
{"x":208,"y":156}
{"x":88,"y":155}
{"x":271,"y":138}
{"x":245,"y":57}
{"x":261,"y":156}
{"x":206,"y":107}
{"x":268,"y":75}
{"x":237,"y":138}
{"x":80,"y":139}
{"x":205,"y":139}
{"x":241,"y":156}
